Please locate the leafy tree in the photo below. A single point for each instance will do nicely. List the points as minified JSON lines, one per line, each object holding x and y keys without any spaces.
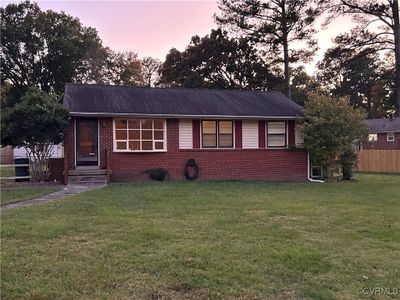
{"x":45,"y":49}
{"x":302,"y":85}
{"x":150,"y":70}
{"x":111,"y":67}
{"x":125,"y":69}
{"x":330,"y":128}
{"x":378,"y":28}
{"x":360,"y":76}
{"x":36,"y":123}
{"x":283,"y":28}
{"x":217,"y":61}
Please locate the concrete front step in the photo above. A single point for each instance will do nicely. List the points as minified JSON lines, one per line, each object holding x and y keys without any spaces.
{"x":85,"y":172}
{"x":87,"y":179}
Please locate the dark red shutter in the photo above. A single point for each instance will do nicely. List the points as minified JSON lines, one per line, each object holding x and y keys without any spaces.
{"x":291,"y":132}
{"x":238,"y":134}
{"x":196,"y":134}
{"x":261,"y":134}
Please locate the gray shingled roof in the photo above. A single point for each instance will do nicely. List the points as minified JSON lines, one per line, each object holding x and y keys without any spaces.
{"x":105,"y":100}
{"x":383,"y":125}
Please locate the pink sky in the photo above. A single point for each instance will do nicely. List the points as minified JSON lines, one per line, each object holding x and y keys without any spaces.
{"x":151,"y":28}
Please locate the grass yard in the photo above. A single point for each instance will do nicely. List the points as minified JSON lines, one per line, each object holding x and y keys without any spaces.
{"x":213,"y":240}
{"x":7,"y":171}
{"x":10,"y":195}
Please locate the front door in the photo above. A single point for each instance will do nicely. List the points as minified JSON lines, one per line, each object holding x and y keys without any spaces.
{"x":87,"y":142}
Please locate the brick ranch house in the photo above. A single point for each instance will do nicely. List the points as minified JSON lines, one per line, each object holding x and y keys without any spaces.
{"x":384,"y":134}
{"x":244,"y":135}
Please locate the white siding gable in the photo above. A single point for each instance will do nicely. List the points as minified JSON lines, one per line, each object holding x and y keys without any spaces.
{"x":185,"y":134}
{"x":250,"y":134}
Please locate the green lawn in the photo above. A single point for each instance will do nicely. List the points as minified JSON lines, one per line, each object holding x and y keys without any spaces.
{"x":10,"y":195}
{"x":207,"y":240}
{"x":7,"y":171}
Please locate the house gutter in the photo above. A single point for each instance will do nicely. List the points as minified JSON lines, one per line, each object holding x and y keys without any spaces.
{"x":308,"y":171}
{"x":180,"y":116}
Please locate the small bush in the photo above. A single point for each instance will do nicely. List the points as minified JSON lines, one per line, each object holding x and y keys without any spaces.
{"x":157,"y":174}
{"x":348,"y":159}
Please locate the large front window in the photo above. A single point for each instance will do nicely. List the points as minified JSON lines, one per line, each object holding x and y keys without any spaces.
{"x":139,"y":135}
{"x":217,"y":134}
{"x":276,"y":134}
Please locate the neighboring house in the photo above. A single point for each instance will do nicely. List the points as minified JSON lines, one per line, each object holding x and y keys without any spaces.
{"x":56,"y":152}
{"x":8,"y":153}
{"x":384,"y":134}
{"x":246,"y":135}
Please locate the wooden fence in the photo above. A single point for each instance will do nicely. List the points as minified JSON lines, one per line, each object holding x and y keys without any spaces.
{"x":379,"y":161}
{"x":7,"y":172}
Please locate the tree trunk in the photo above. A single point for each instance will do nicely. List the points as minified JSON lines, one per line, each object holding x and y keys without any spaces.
{"x":285,"y":44}
{"x":396,"y":29}
{"x":288,"y":91}
{"x":369,"y":104}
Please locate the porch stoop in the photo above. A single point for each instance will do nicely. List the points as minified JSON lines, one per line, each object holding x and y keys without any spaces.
{"x":87,"y":175}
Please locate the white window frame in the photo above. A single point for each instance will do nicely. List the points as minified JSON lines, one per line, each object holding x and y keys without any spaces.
{"x":286,"y":135}
{"x":391,"y":134}
{"x":217,"y":148}
{"x":372,"y":140}
{"x":140,"y":139}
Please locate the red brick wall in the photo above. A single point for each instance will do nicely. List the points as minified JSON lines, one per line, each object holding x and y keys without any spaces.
{"x":383,"y":144}
{"x":6,"y":155}
{"x":56,"y":166}
{"x":244,"y":164}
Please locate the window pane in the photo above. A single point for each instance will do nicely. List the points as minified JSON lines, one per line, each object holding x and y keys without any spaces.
{"x":276,"y":127}
{"x":209,"y":140}
{"x":134,"y":145}
{"x":209,"y":127}
{"x":120,"y":124}
{"x":225,"y":140}
{"x":209,"y":130}
{"x":134,"y":134}
{"x":120,"y":134}
{"x":121,"y":145}
{"x":158,"y":124}
{"x":147,"y":145}
{"x":372,"y":137}
{"x":147,"y":124}
{"x":276,"y":140}
{"x":147,"y":135}
{"x":390,"y":136}
{"x":158,"y":135}
{"x":134,"y":124}
{"x":159,"y":145}
{"x":225,"y":126}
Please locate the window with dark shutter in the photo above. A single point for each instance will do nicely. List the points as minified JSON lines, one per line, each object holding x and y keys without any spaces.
{"x":276,"y":134}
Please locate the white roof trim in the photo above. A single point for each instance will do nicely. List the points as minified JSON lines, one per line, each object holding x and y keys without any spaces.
{"x":179,"y":116}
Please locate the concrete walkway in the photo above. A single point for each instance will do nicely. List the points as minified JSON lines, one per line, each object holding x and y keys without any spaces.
{"x":68,"y":190}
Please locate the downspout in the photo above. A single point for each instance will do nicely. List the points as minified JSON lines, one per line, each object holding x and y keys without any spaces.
{"x":308,"y":171}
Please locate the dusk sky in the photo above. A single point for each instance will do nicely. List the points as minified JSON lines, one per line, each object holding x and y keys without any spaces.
{"x":151,"y":28}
